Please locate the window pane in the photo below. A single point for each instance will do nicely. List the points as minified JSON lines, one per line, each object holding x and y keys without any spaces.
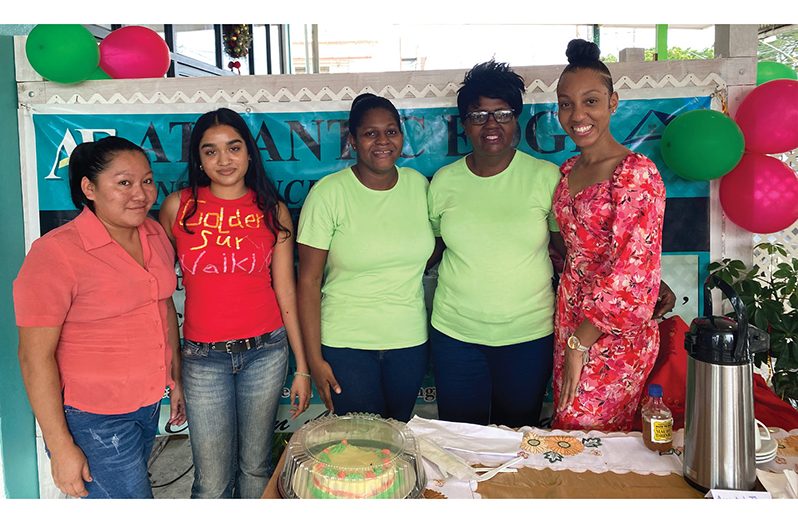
{"x":259,"y":44}
{"x":158,"y":28}
{"x":196,"y":41}
{"x":404,"y":47}
{"x":685,"y":42}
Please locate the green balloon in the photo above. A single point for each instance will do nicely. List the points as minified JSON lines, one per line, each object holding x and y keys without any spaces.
{"x":99,"y":74}
{"x":767,"y":71}
{"x":65,"y":53}
{"x":702,"y":145}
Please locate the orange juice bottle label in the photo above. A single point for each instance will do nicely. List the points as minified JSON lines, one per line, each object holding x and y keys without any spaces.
{"x":662,"y":430}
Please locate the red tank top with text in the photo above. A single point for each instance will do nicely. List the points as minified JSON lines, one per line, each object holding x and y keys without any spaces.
{"x":226,"y":262}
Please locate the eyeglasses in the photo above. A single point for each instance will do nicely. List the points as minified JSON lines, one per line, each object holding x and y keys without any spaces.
{"x":481,"y":117}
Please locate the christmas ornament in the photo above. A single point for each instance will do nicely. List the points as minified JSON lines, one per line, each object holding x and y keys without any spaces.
{"x":237,"y":39}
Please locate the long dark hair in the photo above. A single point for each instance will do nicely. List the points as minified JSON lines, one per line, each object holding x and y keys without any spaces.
{"x":266,"y":195}
{"x":582,"y":54}
{"x":89,"y":159}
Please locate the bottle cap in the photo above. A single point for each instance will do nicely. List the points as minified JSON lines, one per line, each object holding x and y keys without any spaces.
{"x":655,"y":390}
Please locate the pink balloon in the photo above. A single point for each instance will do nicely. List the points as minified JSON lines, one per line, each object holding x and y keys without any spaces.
{"x":767,"y":117}
{"x":760,"y":194}
{"x":134,"y":52}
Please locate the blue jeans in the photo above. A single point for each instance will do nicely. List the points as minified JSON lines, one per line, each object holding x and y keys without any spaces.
{"x":383,"y":382}
{"x":231,"y":404}
{"x":483,"y":385}
{"x":117,"y":447}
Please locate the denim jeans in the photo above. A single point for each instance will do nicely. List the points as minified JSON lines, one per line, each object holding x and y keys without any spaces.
{"x":483,"y":385}
{"x":117,"y":448}
{"x":383,"y":382}
{"x":231,"y":404}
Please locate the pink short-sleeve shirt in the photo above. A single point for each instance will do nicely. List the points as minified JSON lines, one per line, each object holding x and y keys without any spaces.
{"x":113,"y":353}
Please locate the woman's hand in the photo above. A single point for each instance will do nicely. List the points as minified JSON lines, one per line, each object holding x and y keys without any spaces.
{"x":666,"y":300}
{"x":70,"y":470}
{"x":324,"y":379}
{"x":300,"y":394}
{"x":177,"y":406}
{"x":574,"y":360}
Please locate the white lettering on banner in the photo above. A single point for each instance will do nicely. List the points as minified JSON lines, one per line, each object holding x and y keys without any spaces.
{"x":68,"y":145}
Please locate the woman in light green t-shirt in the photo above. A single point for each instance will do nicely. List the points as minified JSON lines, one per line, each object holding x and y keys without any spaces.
{"x":491,"y":212}
{"x":493,"y":310}
{"x":364,"y":239}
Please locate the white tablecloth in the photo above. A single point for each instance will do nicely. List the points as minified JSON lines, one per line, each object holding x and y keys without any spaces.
{"x":576,"y":451}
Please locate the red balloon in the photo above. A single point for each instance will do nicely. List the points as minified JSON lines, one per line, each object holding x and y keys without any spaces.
{"x":134,"y":52}
{"x":767,"y":117}
{"x":760,"y":194}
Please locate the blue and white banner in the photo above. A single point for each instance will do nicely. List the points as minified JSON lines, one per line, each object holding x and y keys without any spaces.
{"x":301,"y":145}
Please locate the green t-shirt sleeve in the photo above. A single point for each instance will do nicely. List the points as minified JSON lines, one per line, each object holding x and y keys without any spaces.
{"x":434,"y":209}
{"x":316,"y":221}
{"x":553,"y":226}
{"x":552,"y":176}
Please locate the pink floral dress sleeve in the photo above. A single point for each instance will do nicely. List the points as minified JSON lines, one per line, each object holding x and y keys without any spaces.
{"x":624,"y":298}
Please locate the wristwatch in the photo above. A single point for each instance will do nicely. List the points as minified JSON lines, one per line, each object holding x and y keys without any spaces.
{"x":574,"y":344}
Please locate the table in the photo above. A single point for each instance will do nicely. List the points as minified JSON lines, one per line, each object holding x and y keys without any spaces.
{"x":562,"y":464}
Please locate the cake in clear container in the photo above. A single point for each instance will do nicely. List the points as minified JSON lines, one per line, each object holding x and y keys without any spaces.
{"x":357,"y":456}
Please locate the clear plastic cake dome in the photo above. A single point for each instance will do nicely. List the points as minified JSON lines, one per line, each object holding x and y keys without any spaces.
{"x":356,"y":456}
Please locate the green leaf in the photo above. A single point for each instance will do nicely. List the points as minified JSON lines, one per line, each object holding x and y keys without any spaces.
{"x":774,"y":310}
{"x":759,"y":319}
{"x":737,"y":264}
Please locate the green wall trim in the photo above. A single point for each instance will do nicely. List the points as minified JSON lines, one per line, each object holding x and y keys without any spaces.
{"x":17,"y":426}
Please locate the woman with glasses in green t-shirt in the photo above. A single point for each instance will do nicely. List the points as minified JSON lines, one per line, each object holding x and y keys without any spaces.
{"x":364,"y":239}
{"x":493,"y":310}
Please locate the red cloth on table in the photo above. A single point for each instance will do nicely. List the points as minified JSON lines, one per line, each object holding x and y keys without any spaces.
{"x":670,"y":371}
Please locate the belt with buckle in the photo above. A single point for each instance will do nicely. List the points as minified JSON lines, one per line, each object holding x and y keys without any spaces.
{"x":236,"y":346}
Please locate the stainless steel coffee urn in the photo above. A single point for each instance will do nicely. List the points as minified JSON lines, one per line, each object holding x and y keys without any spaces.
{"x":719,"y":442}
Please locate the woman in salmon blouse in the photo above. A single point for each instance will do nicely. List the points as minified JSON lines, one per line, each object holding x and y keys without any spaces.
{"x":98,"y":329}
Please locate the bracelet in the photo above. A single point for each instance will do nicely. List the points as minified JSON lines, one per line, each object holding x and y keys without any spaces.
{"x":304,"y":374}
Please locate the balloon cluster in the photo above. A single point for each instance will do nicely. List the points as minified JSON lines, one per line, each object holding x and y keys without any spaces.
{"x":68,"y":53}
{"x":757,"y":192}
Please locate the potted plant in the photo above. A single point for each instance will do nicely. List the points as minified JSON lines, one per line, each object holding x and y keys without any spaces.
{"x":772,"y":303}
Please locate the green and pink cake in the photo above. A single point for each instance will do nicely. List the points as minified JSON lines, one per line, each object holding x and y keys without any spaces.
{"x":346,"y":471}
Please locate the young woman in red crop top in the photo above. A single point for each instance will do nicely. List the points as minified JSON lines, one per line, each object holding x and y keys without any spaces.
{"x":234,"y":241}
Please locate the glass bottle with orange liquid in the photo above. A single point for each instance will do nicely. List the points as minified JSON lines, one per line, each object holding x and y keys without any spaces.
{"x":657,"y":421}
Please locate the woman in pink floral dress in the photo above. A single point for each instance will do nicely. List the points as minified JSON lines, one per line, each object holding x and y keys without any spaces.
{"x":609,"y":205}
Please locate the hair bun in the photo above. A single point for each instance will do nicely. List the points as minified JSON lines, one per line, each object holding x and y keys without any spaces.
{"x":581,"y":51}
